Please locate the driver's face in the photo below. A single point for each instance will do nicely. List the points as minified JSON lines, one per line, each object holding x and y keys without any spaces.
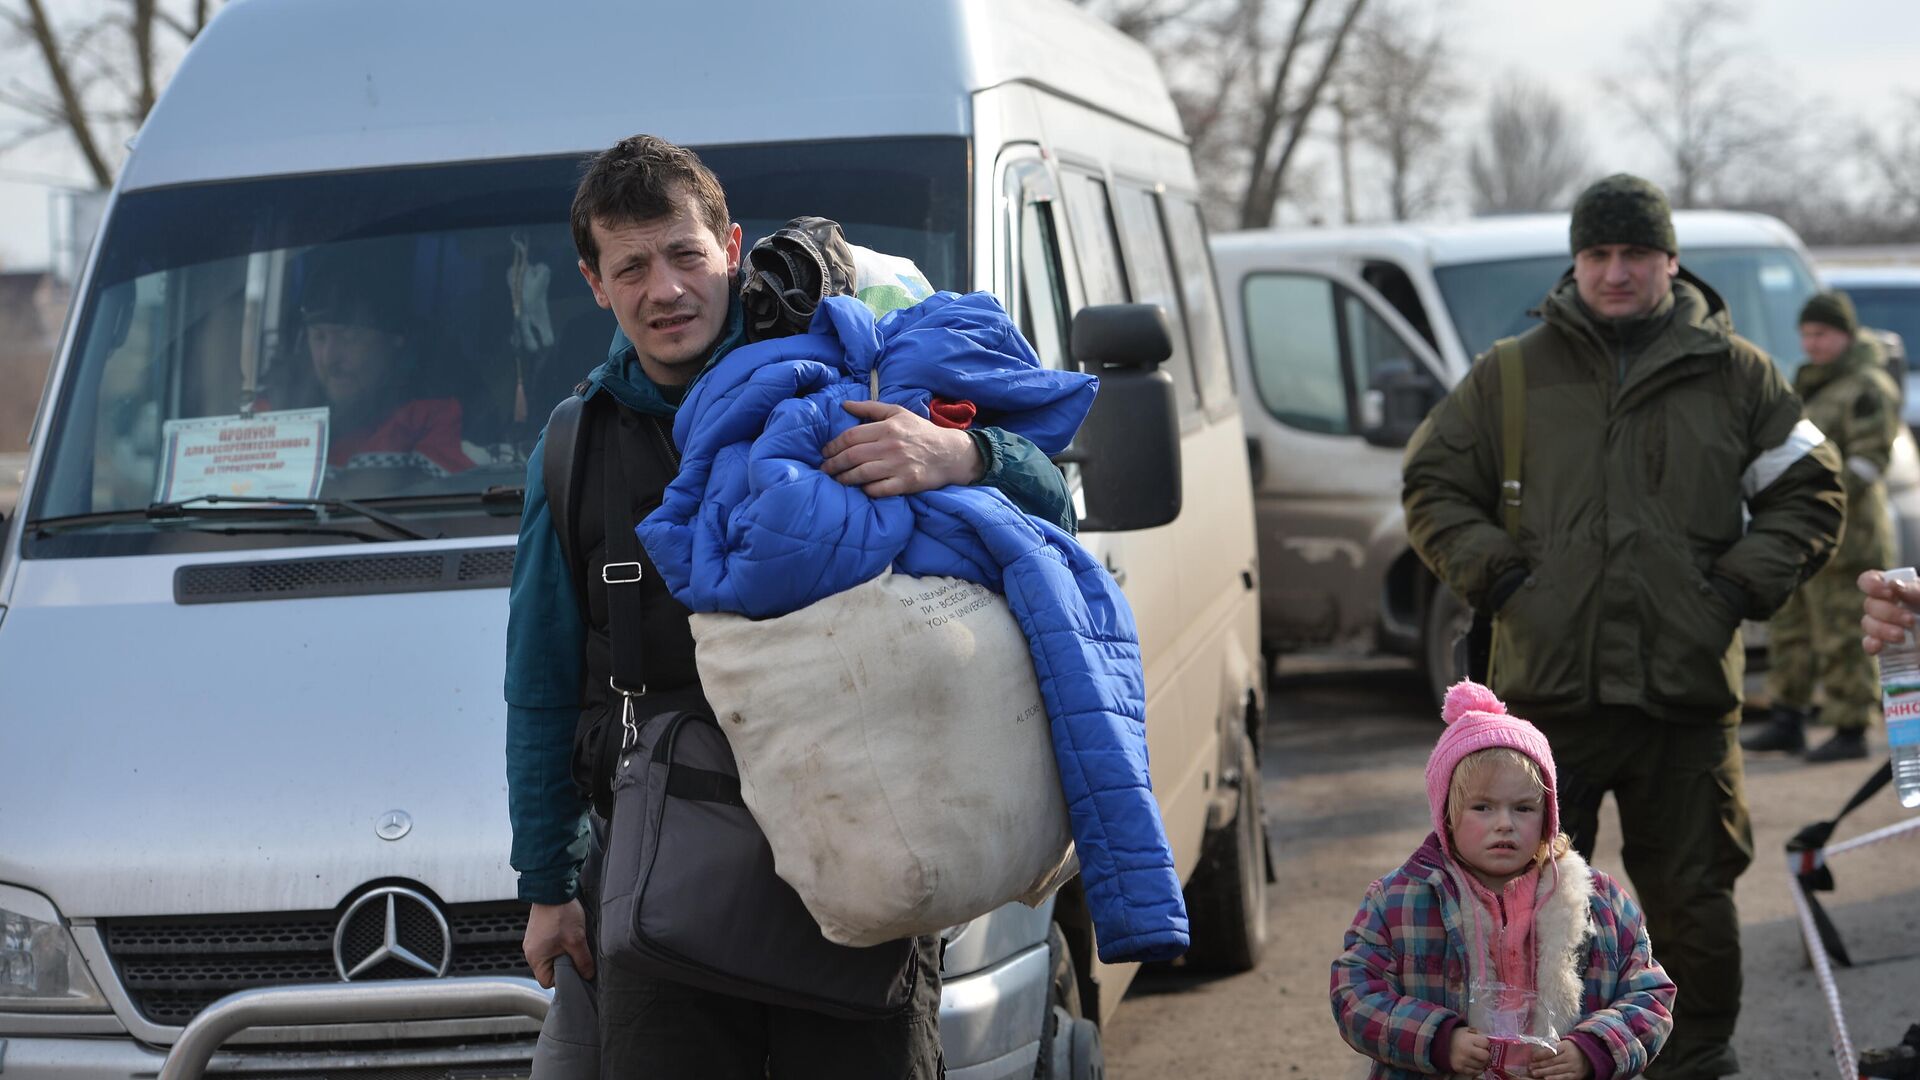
{"x":354,"y":363}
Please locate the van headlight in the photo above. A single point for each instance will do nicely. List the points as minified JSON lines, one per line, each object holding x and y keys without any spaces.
{"x":40,"y":969}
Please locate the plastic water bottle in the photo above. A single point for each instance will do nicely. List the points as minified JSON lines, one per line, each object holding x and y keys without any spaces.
{"x":1900,"y":701}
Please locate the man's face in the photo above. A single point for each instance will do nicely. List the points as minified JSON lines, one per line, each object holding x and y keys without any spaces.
{"x":354,"y":363}
{"x":666,"y":282}
{"x":1623,"y":281}
{"x":1823,"y":344}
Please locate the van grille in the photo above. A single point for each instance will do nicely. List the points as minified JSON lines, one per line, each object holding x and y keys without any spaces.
{"x":349,"y":575}
{"x":174,"y":967}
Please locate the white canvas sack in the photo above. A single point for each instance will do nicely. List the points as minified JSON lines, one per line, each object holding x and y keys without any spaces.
{"x":893,"y":746}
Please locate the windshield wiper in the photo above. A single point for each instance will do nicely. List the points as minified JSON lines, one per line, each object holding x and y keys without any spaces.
{"x":499,"y":499}
{"x":199,"y":503}
{"x":248,"y":507}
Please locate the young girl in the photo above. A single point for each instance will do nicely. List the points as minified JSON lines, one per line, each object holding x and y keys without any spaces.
{"x":1496,"y":927}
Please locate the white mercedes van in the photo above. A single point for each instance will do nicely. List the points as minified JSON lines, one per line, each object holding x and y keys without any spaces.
{"x":253,"y":816}
{"x":1346,"y":336}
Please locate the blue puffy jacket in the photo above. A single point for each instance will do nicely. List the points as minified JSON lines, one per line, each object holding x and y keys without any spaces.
{"x":751,"y":525}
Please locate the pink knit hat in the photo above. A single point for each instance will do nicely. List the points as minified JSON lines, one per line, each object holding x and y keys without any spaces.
{"x":1476,"y":720}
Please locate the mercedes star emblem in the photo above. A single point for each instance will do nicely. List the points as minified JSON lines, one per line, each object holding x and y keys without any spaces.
{"x":393,"y":825}
{"x":392,"y":924}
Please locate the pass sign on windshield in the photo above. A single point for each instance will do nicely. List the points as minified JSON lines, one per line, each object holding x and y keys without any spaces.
{"x":266,"y":454}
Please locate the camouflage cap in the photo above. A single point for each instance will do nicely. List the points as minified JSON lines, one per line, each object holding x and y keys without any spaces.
{"x":1833,"y":309}
{"x":1623,"y":209}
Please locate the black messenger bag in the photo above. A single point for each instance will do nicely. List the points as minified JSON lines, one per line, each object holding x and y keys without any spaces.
{"x":688,"y":891}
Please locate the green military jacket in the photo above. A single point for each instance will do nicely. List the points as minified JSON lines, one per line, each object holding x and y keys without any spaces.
{"x":1632,"y":566}
{"x":1857,"y":404}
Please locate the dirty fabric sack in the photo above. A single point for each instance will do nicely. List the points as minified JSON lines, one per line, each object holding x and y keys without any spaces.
{"x":900,"y":763}
{"x":752,"y":525}
{"x":716,"y":916}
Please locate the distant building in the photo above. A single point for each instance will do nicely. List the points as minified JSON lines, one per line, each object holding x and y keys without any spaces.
{"x":33,"y":305}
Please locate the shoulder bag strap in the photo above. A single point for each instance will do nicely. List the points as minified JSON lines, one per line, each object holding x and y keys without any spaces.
{"x":560,"y":471}
{"x":1513,"y":429}
{"x":624,"y":564}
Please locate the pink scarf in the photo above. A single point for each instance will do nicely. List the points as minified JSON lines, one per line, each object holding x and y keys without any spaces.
{"x":1511,"y":946}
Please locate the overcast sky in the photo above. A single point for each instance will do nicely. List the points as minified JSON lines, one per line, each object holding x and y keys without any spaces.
{"x":1856,"y":56}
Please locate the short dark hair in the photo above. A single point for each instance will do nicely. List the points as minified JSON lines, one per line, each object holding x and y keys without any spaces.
{"x":637,"y":180}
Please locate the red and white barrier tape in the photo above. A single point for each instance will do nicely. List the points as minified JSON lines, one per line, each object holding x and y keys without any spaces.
{"x":1844,"y":1058}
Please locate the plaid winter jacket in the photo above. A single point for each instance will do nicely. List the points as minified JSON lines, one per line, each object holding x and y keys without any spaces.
{"x":1414,"y":949}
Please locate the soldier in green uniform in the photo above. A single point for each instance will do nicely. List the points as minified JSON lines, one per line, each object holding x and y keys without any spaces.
{"x":1851,"y":397}
{"x":1618,"y":582}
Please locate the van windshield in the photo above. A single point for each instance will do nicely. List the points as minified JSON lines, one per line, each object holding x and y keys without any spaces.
{"x":393,"y":337}
{"x":1763,"y":287}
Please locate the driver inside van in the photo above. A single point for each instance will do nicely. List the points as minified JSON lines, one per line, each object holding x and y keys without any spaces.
{"x":356,"y":337}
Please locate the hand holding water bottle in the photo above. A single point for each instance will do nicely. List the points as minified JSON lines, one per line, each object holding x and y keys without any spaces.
{"x":1888,"y":625}
{"x":1888,"y":611}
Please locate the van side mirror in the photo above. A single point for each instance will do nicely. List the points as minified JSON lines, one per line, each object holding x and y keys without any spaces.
{"x":1129,"y":448}
{"x":1396,"y":401}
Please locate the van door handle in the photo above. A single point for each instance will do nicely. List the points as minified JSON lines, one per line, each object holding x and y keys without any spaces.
{"x":1119,"y":573}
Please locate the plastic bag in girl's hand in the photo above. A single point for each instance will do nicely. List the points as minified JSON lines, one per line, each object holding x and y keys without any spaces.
{"x":1506,"y":1015}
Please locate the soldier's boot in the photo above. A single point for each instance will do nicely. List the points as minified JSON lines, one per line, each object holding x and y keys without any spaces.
{"x":1847,"y":744}
{"x":1785,"y":728}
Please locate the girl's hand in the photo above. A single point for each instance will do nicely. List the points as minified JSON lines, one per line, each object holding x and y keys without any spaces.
{"x":1565,"y":1062}
{"x":1470,"y":1053}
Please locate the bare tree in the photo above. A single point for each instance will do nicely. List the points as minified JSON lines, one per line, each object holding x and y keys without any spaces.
{"x":1692,"y":91}
{"x":1530,"y":155}
{"x":100,"y":70}
{"x":1233,"y":67}
{"x":1893,"y":154}
{"x":1399,"y":86}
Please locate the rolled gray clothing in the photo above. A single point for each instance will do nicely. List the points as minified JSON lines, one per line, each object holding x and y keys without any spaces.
{"x":569,"y":1045}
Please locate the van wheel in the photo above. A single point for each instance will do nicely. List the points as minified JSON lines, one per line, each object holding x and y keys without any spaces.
{"x":1227,"y":898}
{"x":1069,"y":1042}
{"x":1448,"y":617}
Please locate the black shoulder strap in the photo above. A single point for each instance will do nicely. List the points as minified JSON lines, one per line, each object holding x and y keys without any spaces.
{"x":560,"y":470}
{"x":624,"y":563}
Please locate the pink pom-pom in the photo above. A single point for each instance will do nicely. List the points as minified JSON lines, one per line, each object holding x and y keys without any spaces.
{"x":1467,"y":696}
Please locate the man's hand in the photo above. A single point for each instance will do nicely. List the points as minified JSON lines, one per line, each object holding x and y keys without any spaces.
{"x":1889,"y":611}
{"x":553,"y":929}
{"x":896,"y":451}
{"x":1469,"y":1053}
{"x":1564,"y":1062}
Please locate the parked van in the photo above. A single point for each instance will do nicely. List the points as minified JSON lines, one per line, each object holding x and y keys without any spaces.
{"x":1346,"y":337}
{"x":249,"y":745}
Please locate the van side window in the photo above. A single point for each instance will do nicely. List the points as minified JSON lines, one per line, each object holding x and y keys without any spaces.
{"x":1043,"y":293}
{"x":1093,"y":237}
{"x":1153,"y":283}
{"x":1393,"y":284}
{"x":1205,"y":329}
{"x":1294,"y":340}
{"x":1374,"y":346}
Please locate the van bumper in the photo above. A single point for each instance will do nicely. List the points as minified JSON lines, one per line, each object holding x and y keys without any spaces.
{"x":196,"y":1053}
{"x":121,"y":1058}
{"x":990,"y":1029}
{"x":990,"y":1020}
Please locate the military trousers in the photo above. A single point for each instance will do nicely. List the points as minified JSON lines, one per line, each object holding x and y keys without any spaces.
{"x":1685,"y":838}
{"x":1815,"y":639}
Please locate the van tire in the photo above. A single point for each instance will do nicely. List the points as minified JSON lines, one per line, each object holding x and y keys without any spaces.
{"x":1447,"y":618}
{"x":1227,"y":898}
{"x":1069,"y":1041}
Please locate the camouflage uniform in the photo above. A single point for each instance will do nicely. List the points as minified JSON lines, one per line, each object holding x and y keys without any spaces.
{"x":1815,"y":637}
